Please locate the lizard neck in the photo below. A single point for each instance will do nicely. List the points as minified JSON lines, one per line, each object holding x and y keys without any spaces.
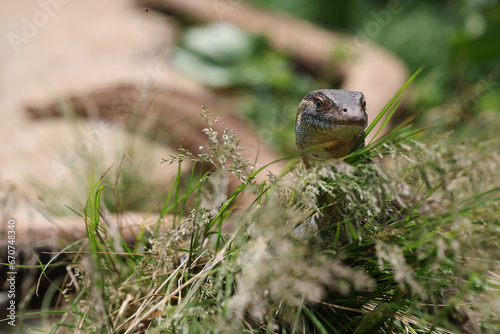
{"x":326,"y":150}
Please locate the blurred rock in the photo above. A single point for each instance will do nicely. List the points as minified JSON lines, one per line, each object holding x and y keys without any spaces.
{"x":54,"y":49}
{"x":104,"y":60}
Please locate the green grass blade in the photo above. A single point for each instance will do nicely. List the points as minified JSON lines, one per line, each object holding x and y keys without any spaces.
{"x":315,"y":320}
{"x":385,"y":109}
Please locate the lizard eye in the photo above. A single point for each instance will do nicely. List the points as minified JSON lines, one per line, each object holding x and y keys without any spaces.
{"x":363,"y":103}
{"x":319,"y":104}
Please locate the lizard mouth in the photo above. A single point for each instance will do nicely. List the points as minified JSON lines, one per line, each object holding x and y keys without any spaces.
{"x":352,"y":120}
{"x":360,"y":122}
{"x":331,"y":121}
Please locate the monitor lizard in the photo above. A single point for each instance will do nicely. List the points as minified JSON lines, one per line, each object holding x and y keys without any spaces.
{"x":328,"y":124}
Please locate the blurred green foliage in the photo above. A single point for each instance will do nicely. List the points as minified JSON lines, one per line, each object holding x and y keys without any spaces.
{"x":456,"y":41}
{"x":223,"y":56}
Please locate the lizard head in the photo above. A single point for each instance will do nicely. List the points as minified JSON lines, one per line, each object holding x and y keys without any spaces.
{"x":328,"y":124}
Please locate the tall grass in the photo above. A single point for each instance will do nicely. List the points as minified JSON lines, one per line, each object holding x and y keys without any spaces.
{"x":409,"y":249}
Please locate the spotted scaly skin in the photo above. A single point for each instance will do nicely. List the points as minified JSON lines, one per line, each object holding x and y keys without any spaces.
{"x":328,"y":124}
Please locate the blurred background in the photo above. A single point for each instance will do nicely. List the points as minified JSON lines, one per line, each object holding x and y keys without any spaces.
{"x":457,"y":43}
{"x":90,"y":87}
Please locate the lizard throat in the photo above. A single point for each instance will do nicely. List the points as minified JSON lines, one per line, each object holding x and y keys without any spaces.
{"x":326,"y":151}
{"x":320,"y":146}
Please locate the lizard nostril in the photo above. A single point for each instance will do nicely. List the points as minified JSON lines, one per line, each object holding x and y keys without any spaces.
{"x":345,"y":110}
